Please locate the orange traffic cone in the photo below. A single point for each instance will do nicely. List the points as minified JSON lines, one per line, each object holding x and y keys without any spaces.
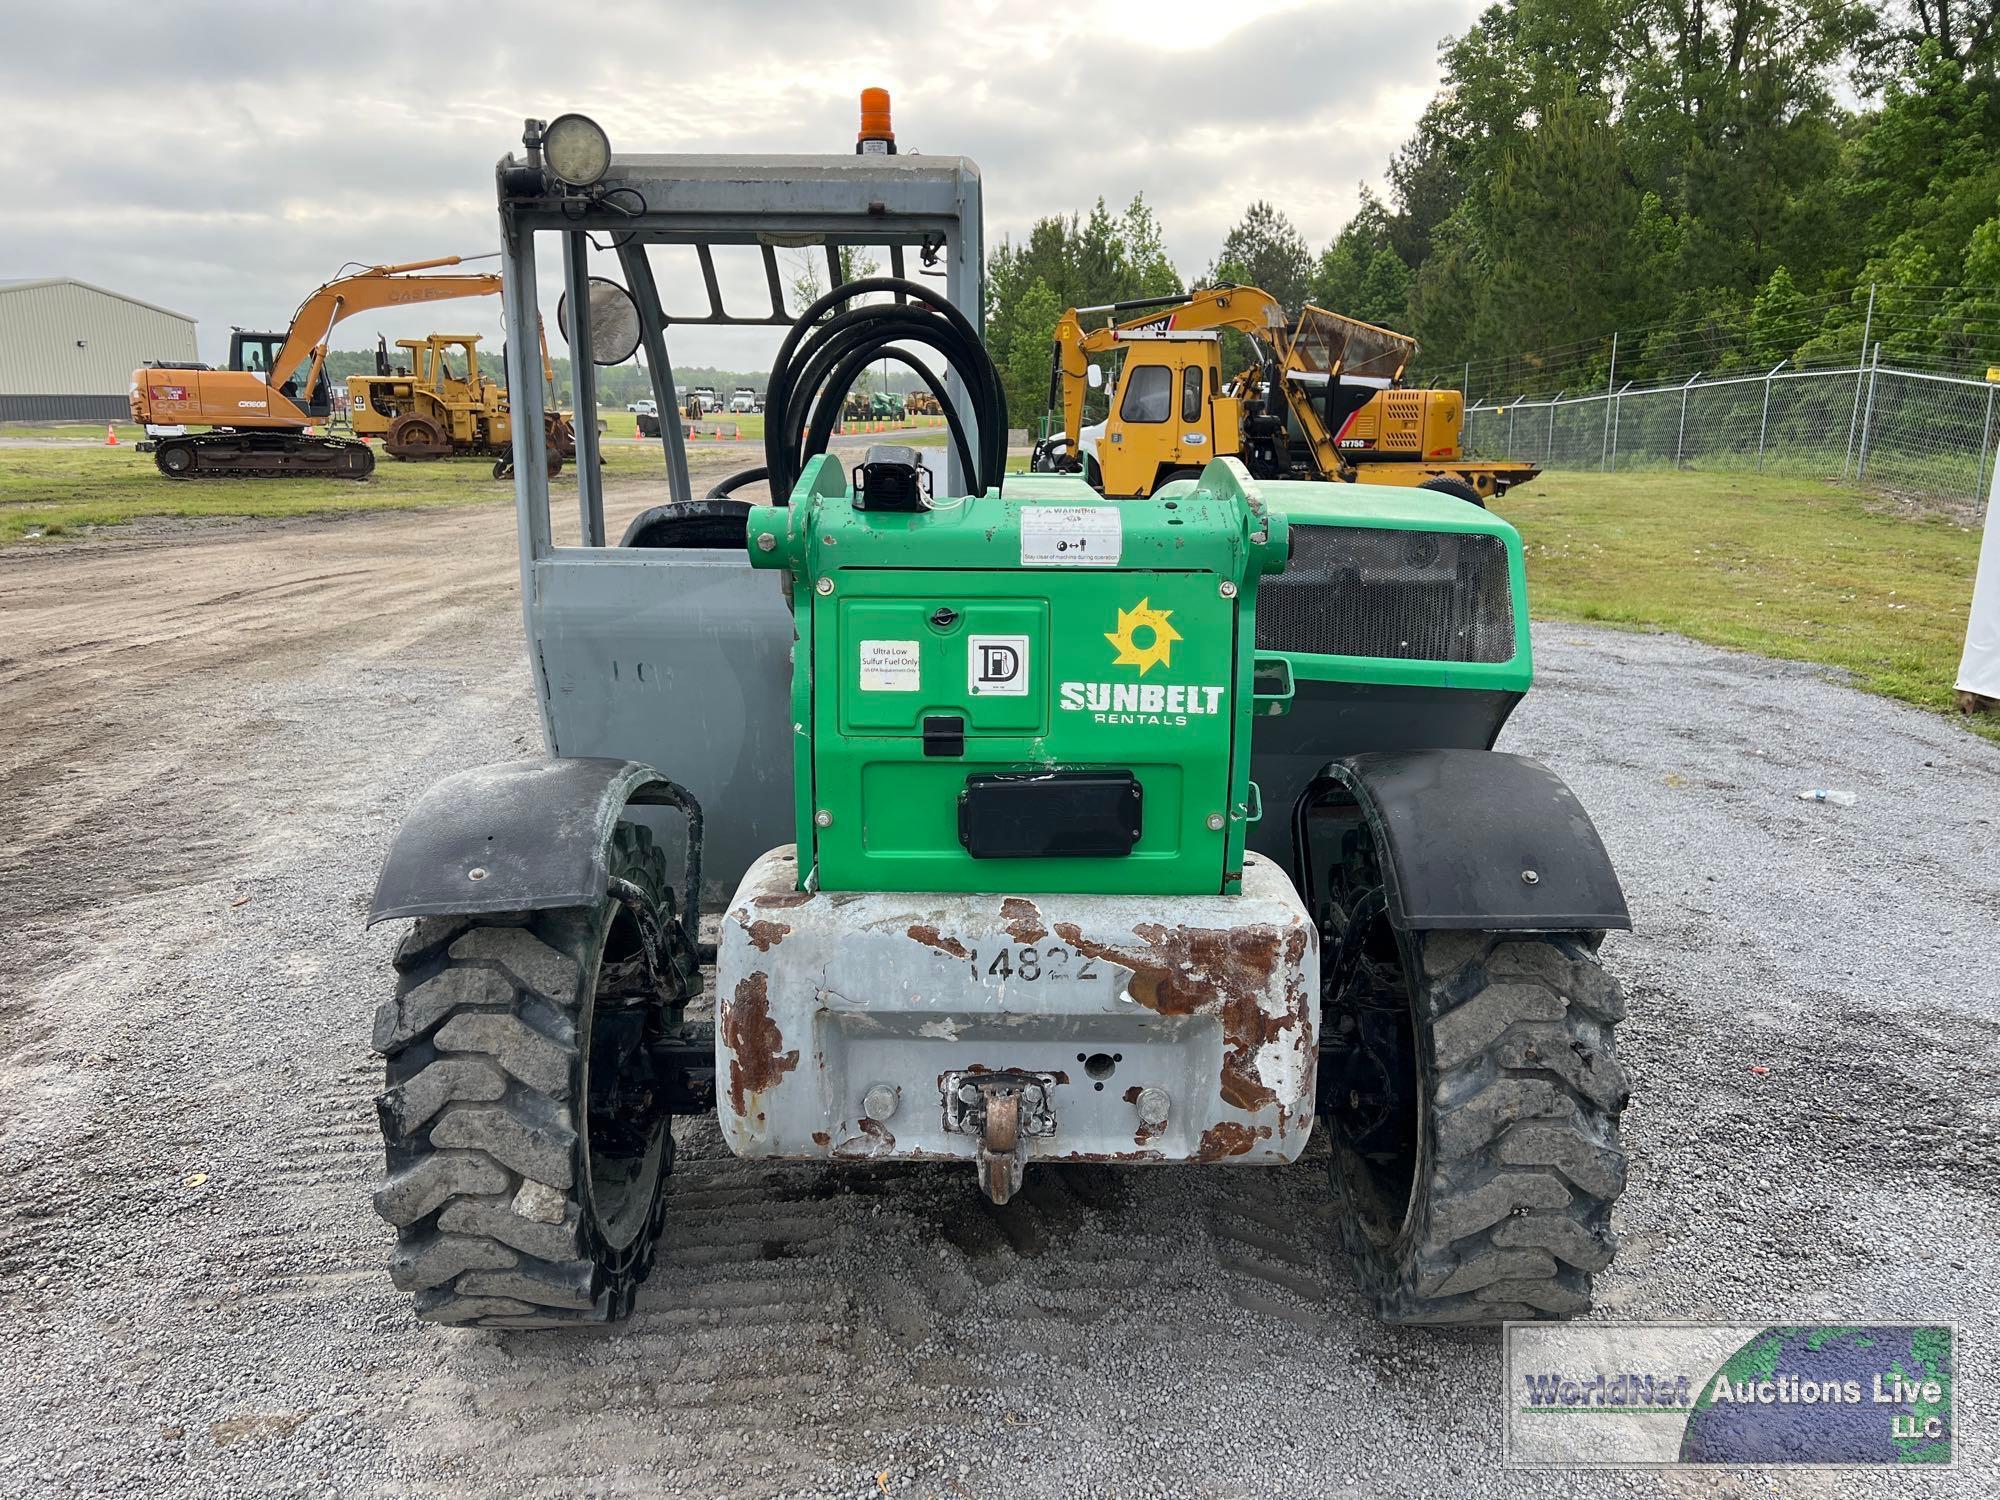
{"x":111,"y":434}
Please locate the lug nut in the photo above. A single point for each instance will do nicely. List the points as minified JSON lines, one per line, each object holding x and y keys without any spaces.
{"x":880,"y":1101}
{"x":1152,"y":1106}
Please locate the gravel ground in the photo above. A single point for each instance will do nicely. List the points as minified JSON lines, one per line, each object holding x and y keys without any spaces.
{"x":193,"y":1280}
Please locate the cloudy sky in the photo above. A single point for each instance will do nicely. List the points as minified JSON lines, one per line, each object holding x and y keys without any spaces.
{"x":222,"y":160}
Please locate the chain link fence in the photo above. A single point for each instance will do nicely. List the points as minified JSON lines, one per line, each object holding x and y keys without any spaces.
{"x":1919,"y":434}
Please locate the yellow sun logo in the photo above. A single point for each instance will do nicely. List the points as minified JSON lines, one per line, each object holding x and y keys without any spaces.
{"x":1158,"y":650}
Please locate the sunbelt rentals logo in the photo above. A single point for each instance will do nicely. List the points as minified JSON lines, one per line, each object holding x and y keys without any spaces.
{"x":1144,"y":640}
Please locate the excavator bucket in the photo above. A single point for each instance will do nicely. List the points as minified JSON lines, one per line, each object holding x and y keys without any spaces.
{"x":1343,"y":363}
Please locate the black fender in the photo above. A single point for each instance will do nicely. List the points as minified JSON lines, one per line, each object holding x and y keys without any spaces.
{"x":1478,"y":839}
{"x":523,"y":835}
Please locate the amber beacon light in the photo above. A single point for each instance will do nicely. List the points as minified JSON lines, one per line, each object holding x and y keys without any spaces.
{"x":876,"y":138}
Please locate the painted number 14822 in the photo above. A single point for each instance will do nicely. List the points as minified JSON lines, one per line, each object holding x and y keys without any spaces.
{"x":1032,"y":964}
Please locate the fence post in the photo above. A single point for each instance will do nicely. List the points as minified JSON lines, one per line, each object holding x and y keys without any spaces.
{"x":1551,"y":456}
{"x":1610,"y":386}
{"x":1681,"y":440}
{"x":1985,"y":437}
{"x":1860,"y":369}
{"x":1764,"y":422}
{"x":1510,"y":423}
{"x":1868,"y":416}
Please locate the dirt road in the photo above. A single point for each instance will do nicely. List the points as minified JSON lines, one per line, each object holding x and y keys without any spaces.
{"x":209,"y":737}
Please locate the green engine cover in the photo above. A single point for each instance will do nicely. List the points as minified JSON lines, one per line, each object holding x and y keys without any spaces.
{"x":1037,"y":629}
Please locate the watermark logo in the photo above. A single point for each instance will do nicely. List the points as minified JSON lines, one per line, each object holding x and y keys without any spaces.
{"x":1611,"y":1395}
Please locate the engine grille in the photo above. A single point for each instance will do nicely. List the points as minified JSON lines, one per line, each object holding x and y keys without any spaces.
{"x":1406,"y":595}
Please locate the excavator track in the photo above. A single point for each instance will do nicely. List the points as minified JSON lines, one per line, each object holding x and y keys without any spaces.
{"x":262,"y":455}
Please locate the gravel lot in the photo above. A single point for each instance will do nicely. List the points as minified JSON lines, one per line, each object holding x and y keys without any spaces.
{"x":210,"y":738}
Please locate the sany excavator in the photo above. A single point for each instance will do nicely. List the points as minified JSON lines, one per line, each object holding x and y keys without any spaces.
{"x":1321,"y":403}
{"x":259,"y":410}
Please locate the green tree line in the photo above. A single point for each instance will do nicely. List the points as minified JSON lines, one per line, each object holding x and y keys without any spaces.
{"x":1720,"y":181}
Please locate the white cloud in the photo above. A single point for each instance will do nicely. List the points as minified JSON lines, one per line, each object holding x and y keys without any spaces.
{"x":225,"y":159}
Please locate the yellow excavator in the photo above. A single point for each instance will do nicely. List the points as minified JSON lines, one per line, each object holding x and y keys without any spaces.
{"x":1321,"y":402}
{"x":259,"y":411}
{"x":437,"y":402}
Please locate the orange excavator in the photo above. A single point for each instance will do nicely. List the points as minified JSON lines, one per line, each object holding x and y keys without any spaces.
{"x":260,"y":410}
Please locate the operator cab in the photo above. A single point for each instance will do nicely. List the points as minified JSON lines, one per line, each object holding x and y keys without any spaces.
{"x":257,"y":352}
{"x":1173,"y":413}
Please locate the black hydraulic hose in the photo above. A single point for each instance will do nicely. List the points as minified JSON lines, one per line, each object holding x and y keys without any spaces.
{"x":847,"y":344}
{"x":819,"y":360}
{"x":735,"y":482}
{"x":978,"y":372}
{"x":833,"y":399}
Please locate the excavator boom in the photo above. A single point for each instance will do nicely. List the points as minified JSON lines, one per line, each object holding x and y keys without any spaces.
{"x":378,"y":286}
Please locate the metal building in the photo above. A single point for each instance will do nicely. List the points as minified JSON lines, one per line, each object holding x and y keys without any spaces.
{"x":68,"y":349}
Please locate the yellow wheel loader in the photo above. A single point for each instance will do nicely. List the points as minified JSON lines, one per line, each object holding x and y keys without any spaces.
{"x":1321,"y":402}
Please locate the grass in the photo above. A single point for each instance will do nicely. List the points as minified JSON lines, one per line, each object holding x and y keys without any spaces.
{"x":1782,"y":567}
{"x":67,"y":482}
{"x":87,"y":433}
{"x":61,"y":491}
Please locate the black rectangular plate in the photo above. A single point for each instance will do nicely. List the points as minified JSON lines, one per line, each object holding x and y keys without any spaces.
{"x":1050,"y":815}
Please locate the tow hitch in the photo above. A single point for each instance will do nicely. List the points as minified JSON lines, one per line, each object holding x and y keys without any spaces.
{"x":1000,"y":1110}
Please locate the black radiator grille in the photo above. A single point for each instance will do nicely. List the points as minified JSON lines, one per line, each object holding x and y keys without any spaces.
{"x":1408,"y":595}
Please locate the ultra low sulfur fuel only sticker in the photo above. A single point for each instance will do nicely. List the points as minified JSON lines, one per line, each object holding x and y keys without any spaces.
{"x":1614,"y":1395}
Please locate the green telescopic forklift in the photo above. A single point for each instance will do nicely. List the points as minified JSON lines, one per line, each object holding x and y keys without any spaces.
{"x":1035,"y":828}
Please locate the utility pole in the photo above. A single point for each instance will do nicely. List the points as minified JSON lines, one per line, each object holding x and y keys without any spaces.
{"x":1860,"y":371}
